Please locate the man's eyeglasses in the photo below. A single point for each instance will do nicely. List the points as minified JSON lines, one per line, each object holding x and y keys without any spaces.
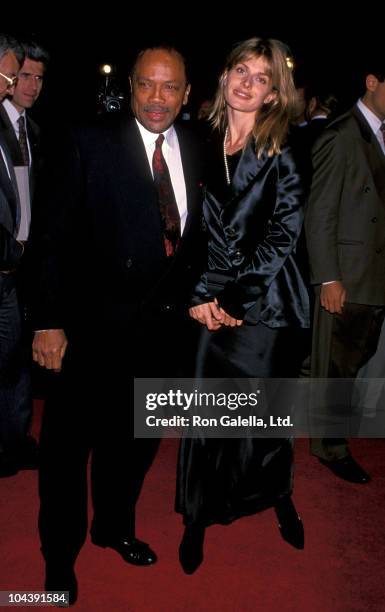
{"x":11,"y":81}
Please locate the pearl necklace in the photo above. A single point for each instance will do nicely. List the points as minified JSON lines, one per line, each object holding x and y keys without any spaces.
{"x":225,"y":157}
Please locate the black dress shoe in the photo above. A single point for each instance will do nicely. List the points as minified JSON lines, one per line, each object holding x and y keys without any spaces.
{"x":347,"y":469}
{"x":133,"y":551}
{"x":62,"y":578}
{"x":290,"y":523}
{"x":191,"y":548}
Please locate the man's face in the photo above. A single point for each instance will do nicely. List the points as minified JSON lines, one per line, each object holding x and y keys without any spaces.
{"x":10,"y":67}
{"x":375,"y":96}
{"x":300,"y":104}
{"x":29,"y":84}
{"x":159,"y":89}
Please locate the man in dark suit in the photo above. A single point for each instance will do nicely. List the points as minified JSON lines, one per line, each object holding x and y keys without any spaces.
{"x":112,"y":304}
{"x":320,"y":103}
{"x":345,"y":230}
{"x":21,"y":135}
{"x":27,"y":91}
{"x":11,"y":250}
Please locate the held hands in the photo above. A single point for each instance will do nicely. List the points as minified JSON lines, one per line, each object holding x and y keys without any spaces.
{"x":333,"y":297}
{"x":49,"y":347}
{"x":211,"y":315}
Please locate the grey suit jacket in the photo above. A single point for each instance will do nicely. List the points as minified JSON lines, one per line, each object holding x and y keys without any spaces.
{"x":345,"y":216}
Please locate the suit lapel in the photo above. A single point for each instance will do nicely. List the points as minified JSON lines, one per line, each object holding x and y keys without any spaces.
{"x":130,"y":160}
{"x":135,"y":183}
{"x":373,"y":152}
{"x":10,"y":137}
{"x":133,"y":178}
{"x":9,"y":185}
{"x":248,"y":168}
{"x":247,"y":173}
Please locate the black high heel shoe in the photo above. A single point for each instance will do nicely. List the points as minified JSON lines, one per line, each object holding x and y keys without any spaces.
{"x":191,"y":548}
{"x":290,"y":523}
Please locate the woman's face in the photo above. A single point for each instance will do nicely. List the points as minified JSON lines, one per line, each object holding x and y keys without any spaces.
{"x":248,"y":85}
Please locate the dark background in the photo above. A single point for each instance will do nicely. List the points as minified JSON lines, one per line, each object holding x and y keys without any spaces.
{"x":334,"y":47}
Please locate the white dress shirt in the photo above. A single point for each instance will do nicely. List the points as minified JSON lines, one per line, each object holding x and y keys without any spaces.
{"x":171,"y":154}
{"x":374,"y":122}
{"x":14,"y":116}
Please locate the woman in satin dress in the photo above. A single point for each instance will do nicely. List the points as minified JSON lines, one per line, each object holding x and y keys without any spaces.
{"x":251,"y":300}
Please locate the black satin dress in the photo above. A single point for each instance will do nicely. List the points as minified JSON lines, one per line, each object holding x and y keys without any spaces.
{"x":220,"y":480}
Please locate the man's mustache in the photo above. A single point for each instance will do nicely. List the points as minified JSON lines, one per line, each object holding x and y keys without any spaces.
{"x":153,"y":108}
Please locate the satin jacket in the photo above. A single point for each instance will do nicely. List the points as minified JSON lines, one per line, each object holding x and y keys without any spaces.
{"x":260,"y":221}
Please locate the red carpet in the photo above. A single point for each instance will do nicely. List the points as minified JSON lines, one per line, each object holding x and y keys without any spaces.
{"x":247,"y":567}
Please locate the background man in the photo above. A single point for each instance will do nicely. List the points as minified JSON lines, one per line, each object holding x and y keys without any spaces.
{"x":11,"y":250}
{"x":345,"y":230}
{"x":21,"y":135}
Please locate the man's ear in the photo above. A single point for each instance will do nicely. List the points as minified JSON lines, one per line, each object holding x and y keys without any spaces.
{"x":313,"y":103}
{"x":130,"y":82}
{"x":371,"y":82}
{"x":186,"y":94}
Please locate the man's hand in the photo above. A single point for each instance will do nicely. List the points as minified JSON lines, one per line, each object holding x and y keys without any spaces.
{"x":333,"y":297}
{"x":49,"y":347}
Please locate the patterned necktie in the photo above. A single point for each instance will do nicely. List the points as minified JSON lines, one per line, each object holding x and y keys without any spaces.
{"x":23,"y":141}
{"x":382,"y":128}
{"x":167,"y":204}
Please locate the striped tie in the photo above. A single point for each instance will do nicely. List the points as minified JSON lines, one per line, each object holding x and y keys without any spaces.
{"x":23,"y":141}
{"x":382,"y":128}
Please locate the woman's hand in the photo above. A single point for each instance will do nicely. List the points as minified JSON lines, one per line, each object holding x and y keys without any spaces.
{"x":213,"y":316}
{"x":208,"y":314}
{"x":227,"y":319}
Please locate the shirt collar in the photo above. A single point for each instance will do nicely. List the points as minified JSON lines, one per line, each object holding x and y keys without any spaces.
{"x":374,"y":122}
{"x":149,"y":138}
{"x":13,"y":113}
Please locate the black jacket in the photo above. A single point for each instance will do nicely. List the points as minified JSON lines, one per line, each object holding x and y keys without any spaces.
{"x":98,"y":242}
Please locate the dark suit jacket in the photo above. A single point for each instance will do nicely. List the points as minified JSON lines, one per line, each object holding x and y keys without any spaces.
{"x":345,"y":218}
{"x":10,"y":249}
{"x":98,"y":238}
{"x":33,"y":132}
{"x":301,"y":141}
{"x":261,"y":221}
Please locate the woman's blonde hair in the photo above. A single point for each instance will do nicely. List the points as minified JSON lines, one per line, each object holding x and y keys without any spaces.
{"x":273,"y":120}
